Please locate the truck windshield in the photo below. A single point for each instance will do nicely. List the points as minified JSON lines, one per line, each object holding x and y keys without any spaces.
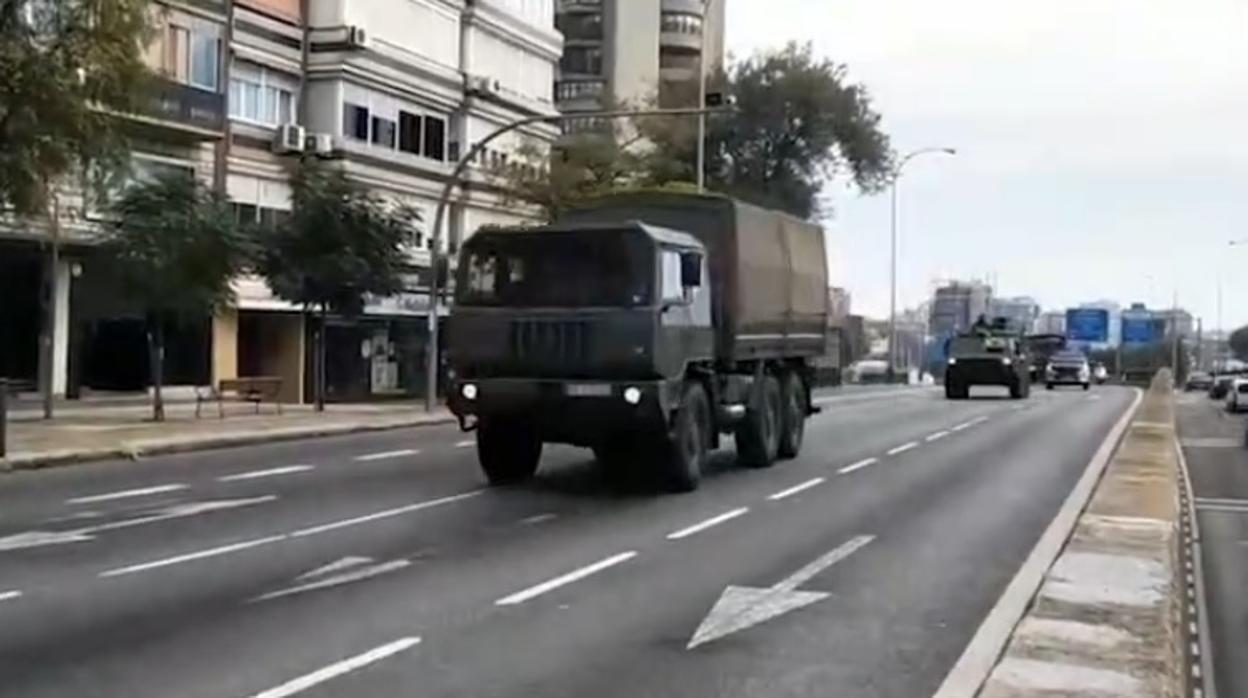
{"x":602,"y":268}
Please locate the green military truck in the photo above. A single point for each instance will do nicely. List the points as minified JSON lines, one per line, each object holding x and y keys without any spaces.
{"x":642,"y":326}
{"x":988,"y":355}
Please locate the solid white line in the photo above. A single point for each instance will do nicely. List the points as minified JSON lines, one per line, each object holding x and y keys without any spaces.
{"x":796,"y":488}
{"x":573,"y":576}
{"x":1221,"y":501}
{"x":980,"y":656}
{"x":272,"y":472}
{"x":468,"y":443}
{"x":337,"y":669}
{"x":937,"y":436}
{"x":386,"y":455}
{"x":858,"y":466}
{"x":1199,"y":608}
{"x":902,"y":448}
{"x":8,"y":595}
{"x":311,"y":531}
{"x":124,"y":494}
{"x":189,"y":557}
{"x":713,"y":521}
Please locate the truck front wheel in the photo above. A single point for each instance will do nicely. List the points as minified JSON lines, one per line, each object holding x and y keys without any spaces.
{"x":793,"y":424}
{"x":758,"y":436}
{"x":508,"y":450}
{"x":687,"y":445}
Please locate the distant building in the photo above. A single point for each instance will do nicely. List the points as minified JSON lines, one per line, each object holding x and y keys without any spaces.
{"x":956,"y":306}
{"x":1177,"y":319}
{"x":1021,"y":311}
{"x":839,"y":302}
{"x":1051,"y":322}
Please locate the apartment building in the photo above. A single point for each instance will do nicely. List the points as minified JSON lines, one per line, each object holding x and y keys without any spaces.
{"x":248,"y":88}
{"x":634,"y":52}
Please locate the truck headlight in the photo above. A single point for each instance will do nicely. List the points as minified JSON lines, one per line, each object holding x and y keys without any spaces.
{"x":953,"y":361}
{"x":1006,"y":361}
{"x":632,"y":395}
{"x":469,"y":391}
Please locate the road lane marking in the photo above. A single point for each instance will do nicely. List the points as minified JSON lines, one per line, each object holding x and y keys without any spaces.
{"x":782,"y":494}
{"x":563,"y":580}
{"x":190,"y":557}
{"x":538,"y":518}
{"x":897,"y":450}
{"x":713,"y":521}
{"x":126,"y":494}
{"x":969,"y":423}
{"x":468,"y":443}
{"x":937,"y":436}
{"x":858,"y":466}
{"x":388,"y":513}
{"x":386,"y":455}
{"x":271,"y":472}
{"x":337,"y":669}
{"x":10,"y":595}
{"x":356,"y":575}
{"x":1220,"y":501}
{"x":739,"y":608}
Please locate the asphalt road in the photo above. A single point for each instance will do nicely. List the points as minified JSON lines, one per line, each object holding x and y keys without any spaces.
{"x":1213,"y":444}
{"x":379,"y":565}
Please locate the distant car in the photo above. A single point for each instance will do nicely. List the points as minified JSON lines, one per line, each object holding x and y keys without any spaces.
{"x":1220,"y":386}
{"x":1237,"y":396}
{"x":1068,"y":368}
{"x":1100,"y":374}
{"x":1198,"y":380}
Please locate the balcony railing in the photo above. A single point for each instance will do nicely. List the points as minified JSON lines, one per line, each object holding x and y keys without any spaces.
{"x":180,"y":104}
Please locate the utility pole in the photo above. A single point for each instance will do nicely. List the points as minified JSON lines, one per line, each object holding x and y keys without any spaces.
{"x":701,"y":163}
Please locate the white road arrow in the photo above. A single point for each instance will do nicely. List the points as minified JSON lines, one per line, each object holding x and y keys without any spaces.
{"x":740,"y":608}
{"x":350,"y":569}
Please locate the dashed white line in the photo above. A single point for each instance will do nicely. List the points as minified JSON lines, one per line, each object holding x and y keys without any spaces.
{"x":702,"y":526}
{"x":978,"y":420}
{"x":125,"y":494}
{"x":9,"y":595}
{"x":188,"y":557}
{"x":386,"y":455}
{"x":563,"y":580}
{"x":337,"y":669}
{"x":388,"y":513}
{"x":937,"y":436}
{"x":467,"y":443}
{"x":897,"y":450}
{"x":858,"y":466}
{"x":271,"y":472}
{"x":538,"y":518}
{"x":782,"y":494}
{"x":962,"y":426}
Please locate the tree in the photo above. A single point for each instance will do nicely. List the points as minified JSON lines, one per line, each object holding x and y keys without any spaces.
{"x":1238,"y":342}
{"x":798,"y":122}
{"x":341,"y":244}
{"x":554,"y":178}
{"x":175,"y":247}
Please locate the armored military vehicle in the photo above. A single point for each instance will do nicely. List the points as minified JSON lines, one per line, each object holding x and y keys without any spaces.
{"x":990,"y":354}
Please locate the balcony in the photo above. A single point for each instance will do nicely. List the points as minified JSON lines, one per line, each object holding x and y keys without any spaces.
{"x":193,"y":113}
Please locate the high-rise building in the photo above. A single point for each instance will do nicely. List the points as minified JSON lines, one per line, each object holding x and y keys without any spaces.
{"x":956,"y":306}
{"x":634,"y":52}
{"x":1052,"y":322}
{"x":1021,"y":311}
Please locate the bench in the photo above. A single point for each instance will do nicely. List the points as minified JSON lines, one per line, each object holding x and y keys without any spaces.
{"x":253,"y":389}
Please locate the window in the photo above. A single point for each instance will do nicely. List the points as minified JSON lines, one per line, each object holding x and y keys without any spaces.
{"x":253,"y":97}
{"x":383,"y":132}
{"x":681,"y":23}
{"x":192,"y":55}
{"x":672,"y":289}
{"x":580,"y":26}
{"x":262,"y":216}
{"x":435,"y":138}
{"x":177,"y":53}
{"x":204,"y":61}
{"x":409,"y":133}
{"x":355,"y":121}
{"x":581,"y":59}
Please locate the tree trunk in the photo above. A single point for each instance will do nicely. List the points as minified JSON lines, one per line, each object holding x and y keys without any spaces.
{"x":156,"y":353}
{"x":321,"y":340}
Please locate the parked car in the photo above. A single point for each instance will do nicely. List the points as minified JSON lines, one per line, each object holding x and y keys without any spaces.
{"x":1100,"y":374}
{"x":1198,"y":380}
{"x":1220,"y":386}
{"x":1237,"y":396}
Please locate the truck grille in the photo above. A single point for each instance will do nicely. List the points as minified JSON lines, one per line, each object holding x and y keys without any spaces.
{"x":550,"y":343}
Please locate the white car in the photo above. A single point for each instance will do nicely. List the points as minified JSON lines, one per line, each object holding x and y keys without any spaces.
{"x":1237,"y":396}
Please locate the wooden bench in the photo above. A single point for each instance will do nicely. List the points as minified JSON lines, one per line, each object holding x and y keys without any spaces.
{"x":253,"y":389}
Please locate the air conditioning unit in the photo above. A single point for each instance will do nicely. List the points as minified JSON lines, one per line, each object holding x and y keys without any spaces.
{"x":290,"y":138}
{"x":320,"y":144}
{"x":357,"y":38}
{"x":483,"y":85}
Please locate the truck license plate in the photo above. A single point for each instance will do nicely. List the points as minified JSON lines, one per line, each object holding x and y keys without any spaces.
{"x":588,"y":390}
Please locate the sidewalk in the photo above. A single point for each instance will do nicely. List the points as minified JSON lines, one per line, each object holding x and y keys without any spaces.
{"x":125,"y":430}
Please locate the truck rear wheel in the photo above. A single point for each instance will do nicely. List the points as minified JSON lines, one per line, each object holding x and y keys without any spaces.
{"x":686,"y":448}
{"x":793,"y":422}
{"x":508,"y":450}
{"x":758,"y":436}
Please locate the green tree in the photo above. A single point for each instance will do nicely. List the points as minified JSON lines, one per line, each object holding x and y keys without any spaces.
{"x":552,"y":178}
{"x":1239,"y":343}
{"x":175,"y":248}
{"x":798,"y":122}
{"x":341,"y":244}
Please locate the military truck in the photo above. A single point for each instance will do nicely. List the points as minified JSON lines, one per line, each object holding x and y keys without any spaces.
{"x":643,"y":326}
{"x":990,"y":354}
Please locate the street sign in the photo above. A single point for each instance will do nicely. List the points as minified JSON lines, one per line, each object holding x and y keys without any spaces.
{"x":1141,"y":328}
{"x":1087,"y":325}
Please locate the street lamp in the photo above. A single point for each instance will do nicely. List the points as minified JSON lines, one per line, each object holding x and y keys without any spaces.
{"x":435,"y":251}
{"x":701,"y":164}
{"x":892,"y":300}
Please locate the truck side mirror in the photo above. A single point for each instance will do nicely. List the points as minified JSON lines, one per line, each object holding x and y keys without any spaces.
{"x":690,"y":269}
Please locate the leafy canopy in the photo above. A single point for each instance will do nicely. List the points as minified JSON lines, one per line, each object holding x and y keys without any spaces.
{"x":64,"y":65}
{"x":340,"y":244}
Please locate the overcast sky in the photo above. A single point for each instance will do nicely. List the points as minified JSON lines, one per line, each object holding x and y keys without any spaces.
{"x":1103,"y":144}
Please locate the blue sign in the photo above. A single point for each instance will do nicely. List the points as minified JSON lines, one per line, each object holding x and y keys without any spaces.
{"x":1141,"y":329}
{"x":1087,"y":325}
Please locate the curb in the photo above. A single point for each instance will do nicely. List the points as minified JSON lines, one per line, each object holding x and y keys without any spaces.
{"x":152,"y":447}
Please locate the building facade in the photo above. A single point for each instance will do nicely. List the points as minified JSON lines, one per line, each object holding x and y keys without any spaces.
{"x":246,"y":89}
{"x":1020,"y":311}
{"x":635,"y":52}
{"x":955,"y":307}
{"x":1052,"y":322}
